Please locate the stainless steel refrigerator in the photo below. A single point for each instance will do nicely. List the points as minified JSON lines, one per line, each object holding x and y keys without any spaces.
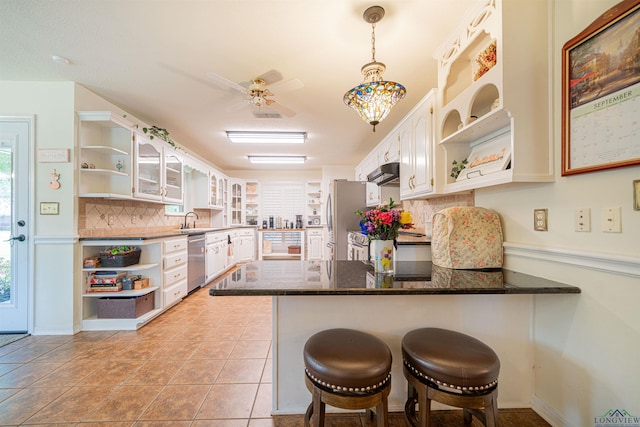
{"x":345,"y":197}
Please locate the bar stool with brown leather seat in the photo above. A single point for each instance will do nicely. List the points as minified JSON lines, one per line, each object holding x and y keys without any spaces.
{"x":347,"y":369}
{"x":451,"y":368}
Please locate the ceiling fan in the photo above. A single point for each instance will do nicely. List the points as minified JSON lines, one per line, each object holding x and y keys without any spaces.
{"x":258,"y":91}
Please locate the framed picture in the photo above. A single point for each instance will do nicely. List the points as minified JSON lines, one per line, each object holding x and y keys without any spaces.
{"x":636,"y":195}
{"x":601,"y":93}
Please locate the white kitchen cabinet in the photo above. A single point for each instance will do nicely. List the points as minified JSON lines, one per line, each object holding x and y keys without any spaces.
{"x":502,"y":109}
{"x":365,"y":167}
{"x":247,"y":245}
{"x":216,"y":254}
{"x":314,"y":244}
{"x":233,"y":255}
{"x":174,"y":258}
{"x":389,"y":149}
{"x":417,"y":141}
{"x":159,"y":171}
{"x":236,"y":201}
{"x":149,"y":266}
{"x":105,"y":155}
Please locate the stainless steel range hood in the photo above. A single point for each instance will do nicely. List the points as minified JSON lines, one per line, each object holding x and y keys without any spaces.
{"x":387,"y":174}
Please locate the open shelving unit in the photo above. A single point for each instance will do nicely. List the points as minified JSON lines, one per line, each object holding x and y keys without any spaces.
{"x":274,"y":243}
{"x":492,"y":96}
{"x":313,"y":193}
{"x":150,"y":266}
{"x":105,"y":155}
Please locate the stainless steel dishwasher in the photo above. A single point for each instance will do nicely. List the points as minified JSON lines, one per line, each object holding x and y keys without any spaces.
{"x":195,"y":267}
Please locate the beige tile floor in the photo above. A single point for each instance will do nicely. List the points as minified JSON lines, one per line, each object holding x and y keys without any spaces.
{"x":205,"y":362}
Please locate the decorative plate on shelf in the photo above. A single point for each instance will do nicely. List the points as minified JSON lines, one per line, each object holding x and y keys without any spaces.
{"x":316,"y":221}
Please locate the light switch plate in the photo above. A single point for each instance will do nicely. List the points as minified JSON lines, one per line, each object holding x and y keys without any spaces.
{"x":49,"y":208}
{"x":583,"y":219}
{"x":611,"y":219}
{"x":540,"y":219}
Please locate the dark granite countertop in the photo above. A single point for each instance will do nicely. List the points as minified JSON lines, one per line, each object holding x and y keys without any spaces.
{"x":284,"y":277}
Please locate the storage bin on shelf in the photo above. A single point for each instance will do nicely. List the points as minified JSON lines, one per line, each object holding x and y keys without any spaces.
{"x":294,"y":250}
{"x":120,"y":259}
{"x":125,"y":307}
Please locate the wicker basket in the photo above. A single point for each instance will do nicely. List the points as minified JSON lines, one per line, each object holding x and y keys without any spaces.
{"x":119,"y":260}
{"x":294,"y":249}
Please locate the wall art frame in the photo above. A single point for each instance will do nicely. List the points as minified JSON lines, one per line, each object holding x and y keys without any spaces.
{"x":601,"y":93}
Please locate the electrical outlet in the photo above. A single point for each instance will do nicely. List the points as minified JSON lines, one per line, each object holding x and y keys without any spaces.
{"x":540,"y":219}
{"x":133,"y":219}
{"x":111,"y":219}
{"x":583,"y":219}
{"x":611,"y":219}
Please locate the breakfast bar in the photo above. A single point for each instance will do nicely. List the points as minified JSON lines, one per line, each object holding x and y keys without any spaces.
{"x":493,"y":305}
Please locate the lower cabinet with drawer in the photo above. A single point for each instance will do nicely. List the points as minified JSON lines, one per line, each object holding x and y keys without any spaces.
{"x":175,"y":257}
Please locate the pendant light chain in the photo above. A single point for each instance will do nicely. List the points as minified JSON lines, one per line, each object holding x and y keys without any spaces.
{"x":373,"y":42}
{"x":374,"y":98}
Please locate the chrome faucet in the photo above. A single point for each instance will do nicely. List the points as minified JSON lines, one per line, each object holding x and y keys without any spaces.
{"x":185,"y":225}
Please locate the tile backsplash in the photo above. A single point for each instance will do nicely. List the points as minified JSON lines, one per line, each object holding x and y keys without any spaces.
{"x":103,"y":217}
{"x":131,"y":217}
{"x":422,"y":211}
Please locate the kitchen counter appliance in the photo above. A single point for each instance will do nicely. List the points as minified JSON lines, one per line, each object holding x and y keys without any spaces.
{"x":195,"y":266}
{"x":345,"y":197}
{"x":357,"y":246}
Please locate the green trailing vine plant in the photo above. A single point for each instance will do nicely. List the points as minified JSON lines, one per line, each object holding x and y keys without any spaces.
{"x":457,"y":168}
{"x":161,"y":133}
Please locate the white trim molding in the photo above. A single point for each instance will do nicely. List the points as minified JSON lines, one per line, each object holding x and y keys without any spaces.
{"x":610,"y":263}
{"x":55,"y":240}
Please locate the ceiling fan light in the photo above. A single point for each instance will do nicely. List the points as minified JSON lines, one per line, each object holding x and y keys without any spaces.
{"x":267,"y":137}
{"x":277,"y":160}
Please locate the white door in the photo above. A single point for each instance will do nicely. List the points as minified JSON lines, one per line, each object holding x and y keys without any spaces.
{"x":16,"y":135}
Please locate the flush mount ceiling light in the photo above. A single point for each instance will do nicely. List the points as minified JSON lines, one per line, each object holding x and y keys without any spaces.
{"x":288,"y":160}
{"x":267,"y":137}
{"x":375,"y":97}
{"x":61,"y":59}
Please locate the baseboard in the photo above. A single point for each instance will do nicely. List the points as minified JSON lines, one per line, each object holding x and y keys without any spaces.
{"x":48,"y":331}
{"x":548,"y":413}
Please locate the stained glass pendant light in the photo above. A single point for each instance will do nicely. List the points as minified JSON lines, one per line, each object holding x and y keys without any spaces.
{"x":375,"y":97}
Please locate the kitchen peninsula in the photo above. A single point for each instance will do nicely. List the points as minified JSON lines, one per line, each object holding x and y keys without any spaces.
{"x":495,"y":306}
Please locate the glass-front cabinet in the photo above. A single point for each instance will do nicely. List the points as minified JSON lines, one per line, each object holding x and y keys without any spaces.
{"x":216,"y":189}
{"x":148,"y":169}
{"x":173,"y":177}
{"x":236,"y":201}
{"x":159,"y":172}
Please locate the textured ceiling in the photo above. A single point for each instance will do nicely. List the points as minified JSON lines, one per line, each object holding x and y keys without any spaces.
{"x":151,"y":58}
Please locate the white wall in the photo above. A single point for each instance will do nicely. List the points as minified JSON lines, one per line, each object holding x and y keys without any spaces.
{"x":53,"y":236}
{"x":587,"y":346}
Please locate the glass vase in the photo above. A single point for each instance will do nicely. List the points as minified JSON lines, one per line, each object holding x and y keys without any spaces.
{"x":382,"y":256}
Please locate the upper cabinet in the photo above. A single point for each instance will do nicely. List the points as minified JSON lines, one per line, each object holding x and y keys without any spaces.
{"x":159,"y":172}
{"x":105,"y":155}
{"x":236,"y":201}
{"x":493,"y":96}
{"x":416,"y":136}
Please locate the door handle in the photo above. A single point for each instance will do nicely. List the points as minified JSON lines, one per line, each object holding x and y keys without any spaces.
{"x":20,"y":238}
